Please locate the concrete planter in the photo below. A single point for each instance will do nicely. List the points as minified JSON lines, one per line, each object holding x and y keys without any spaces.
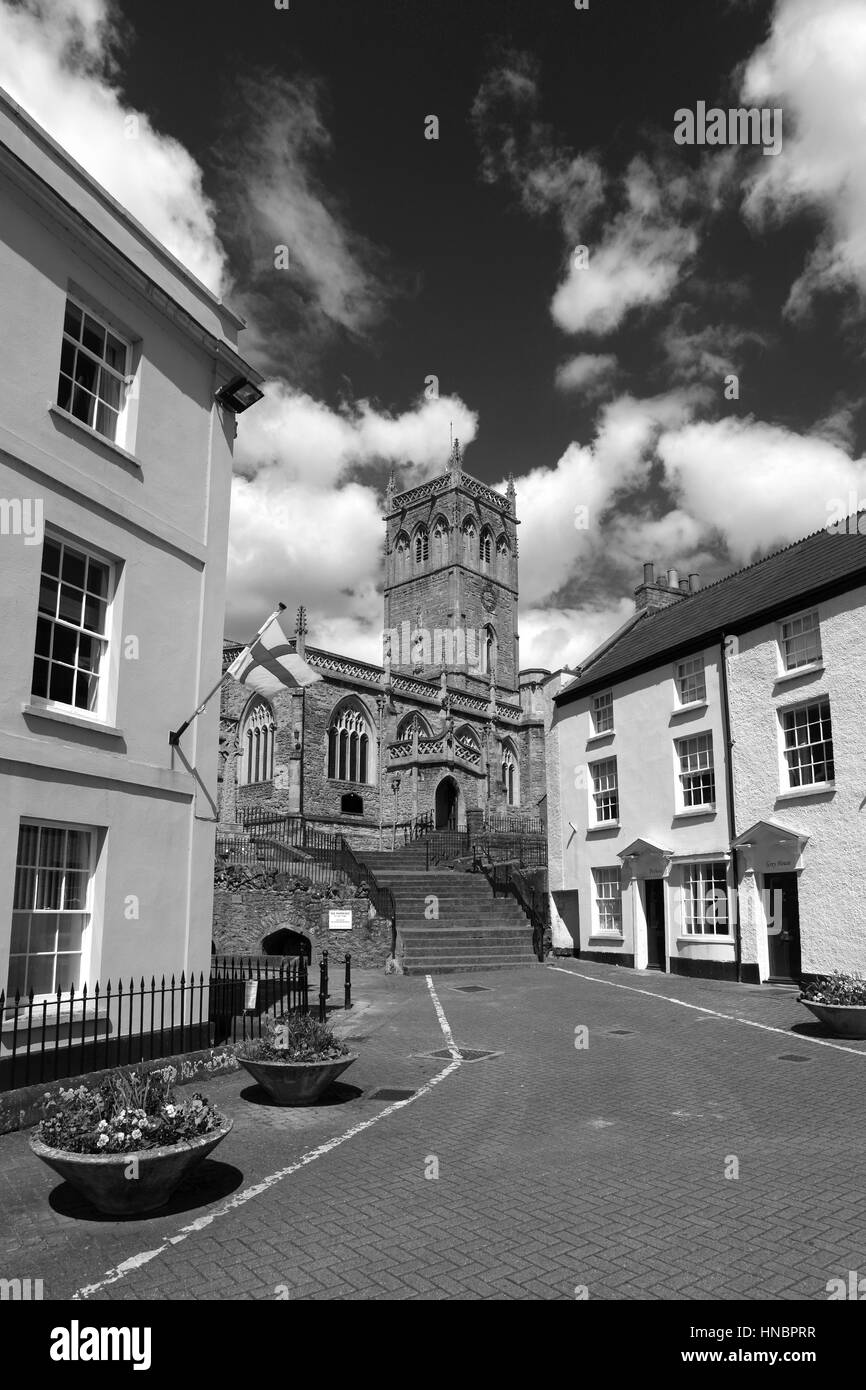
{"x":297,"y":1083}
{"x":845,"y":1020}
{"x":103,"y":1180}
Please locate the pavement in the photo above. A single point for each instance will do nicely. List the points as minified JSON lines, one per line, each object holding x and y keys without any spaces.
{"x":586,"y":1131}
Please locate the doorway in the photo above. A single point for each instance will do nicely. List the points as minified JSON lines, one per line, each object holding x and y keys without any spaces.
{"x":447,"y":799}
{"x":785,"y":944}
{"x":654,"y":899}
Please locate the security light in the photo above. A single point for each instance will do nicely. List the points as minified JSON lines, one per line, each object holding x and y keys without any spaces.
{"x":239,"y":394}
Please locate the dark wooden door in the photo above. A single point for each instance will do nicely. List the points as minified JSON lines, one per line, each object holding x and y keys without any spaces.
{"x":784,"y":944}
{"x":654,"y":891}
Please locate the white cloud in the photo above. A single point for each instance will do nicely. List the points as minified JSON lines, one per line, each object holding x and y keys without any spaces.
{"x":812,"y":66}
{"x":59,"y":63}
{"x":307,"y":441}
{"x":556,"y":637}
{"x":589,"y":373}
{"x":636,"y":263}
{"x":757,"y":485}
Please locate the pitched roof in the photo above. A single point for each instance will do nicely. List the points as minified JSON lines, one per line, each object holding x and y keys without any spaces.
{"x":784,"y":580}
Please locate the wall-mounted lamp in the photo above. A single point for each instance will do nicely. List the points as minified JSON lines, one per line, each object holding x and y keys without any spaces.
{"x":238,"y":394}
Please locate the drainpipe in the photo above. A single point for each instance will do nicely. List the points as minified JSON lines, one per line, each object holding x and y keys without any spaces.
{"x":729,"y":788}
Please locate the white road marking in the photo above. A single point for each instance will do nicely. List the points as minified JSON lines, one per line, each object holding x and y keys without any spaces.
{"x":113,"y":1276}
{"x":731,"y":1018}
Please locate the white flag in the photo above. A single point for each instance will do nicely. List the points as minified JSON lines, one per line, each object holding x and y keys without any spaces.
{"x":270,"y":663}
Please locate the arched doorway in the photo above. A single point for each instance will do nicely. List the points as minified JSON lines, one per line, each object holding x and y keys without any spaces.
{"x":285,"y":942}
{"x":447,"y":804}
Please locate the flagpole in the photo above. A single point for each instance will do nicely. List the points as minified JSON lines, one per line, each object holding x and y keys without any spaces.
{"x":175,"y":734}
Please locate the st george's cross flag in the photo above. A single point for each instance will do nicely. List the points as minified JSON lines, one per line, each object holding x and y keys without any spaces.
{"x":270,"y":663}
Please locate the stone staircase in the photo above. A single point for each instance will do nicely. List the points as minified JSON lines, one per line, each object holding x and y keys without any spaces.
{"x":473,"y":930}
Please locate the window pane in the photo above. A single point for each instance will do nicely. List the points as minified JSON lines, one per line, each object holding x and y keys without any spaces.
{"x":20,"y":932}
{"x":39,"y":684}
{"x":72,"y":320}
{"x":86,"y":373}
{"x":68,"y":972}
{"x":115,"y":353}
{"x":86,"y":691}
{"x":40,"y":975}
{"x":74,"y":567}
{"x":93,"y":336}
{"x":60,"y":685}
{"x":70,"y":605}
{"x":67,"y":358}
{"x":48,"y":596}
{"x":94,"y":614}
{"x":25,"y":887}
{"x":83,"y":406}
{"x":97,"y":578}
{"x":106,"y":421}
{"x":51,"y":558}
{"x":109,"y":389}
{"x":65,"y":643}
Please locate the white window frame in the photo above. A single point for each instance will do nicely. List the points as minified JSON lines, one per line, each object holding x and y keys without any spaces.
{"x":602,"y":702}
{"x":601,"y":793}
{"x":788,"y":711}
{"x":684,"y":673}
{"x":124,"y":377}
{"x":701,"y":913}
{"x":87,"y":912}
{"x":810,"y":623}
{"x":607,"y":906}
{"x":102,"y":711}
{"x":694,"y":754}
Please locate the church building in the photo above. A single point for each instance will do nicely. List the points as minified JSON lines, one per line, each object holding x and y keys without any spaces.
{"x":448,"y":727}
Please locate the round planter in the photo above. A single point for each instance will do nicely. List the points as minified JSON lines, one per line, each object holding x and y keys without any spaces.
{"x":297,"y":1083}
{"x":845,"y":1020}
{"x":102,"y":1178}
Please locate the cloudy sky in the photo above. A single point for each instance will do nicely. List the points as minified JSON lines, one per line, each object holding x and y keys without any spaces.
{"x":596,"y":376}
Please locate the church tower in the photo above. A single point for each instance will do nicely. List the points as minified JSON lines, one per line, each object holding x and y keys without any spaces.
{"x":451,"y":582}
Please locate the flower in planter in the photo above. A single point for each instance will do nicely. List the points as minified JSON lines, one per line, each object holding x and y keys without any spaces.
{"x":838,"y":988}
{"x":293,"y":1037}
{"x":126,"y":1112}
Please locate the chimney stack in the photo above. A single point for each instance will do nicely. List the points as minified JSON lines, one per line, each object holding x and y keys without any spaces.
{"x":659,"y":592}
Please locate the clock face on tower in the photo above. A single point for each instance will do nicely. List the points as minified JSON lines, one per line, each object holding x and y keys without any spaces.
{"x":488,"y":599}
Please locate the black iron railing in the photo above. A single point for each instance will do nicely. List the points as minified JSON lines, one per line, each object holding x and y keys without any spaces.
{"x":363,"y":877}
{"x":92,"y":1029}
{"x":507,"y":881}
{"x":516,"y":824}
{"x":447,"y":844}
{"x":531,"y":853}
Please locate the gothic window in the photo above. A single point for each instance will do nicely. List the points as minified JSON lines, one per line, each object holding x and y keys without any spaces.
{"x":401,"y":554}
{"x":406,"y":726}
{"x":488,"y":650}
{"x":469,"y":534}
{"x":503,"y":554}
{"x":510,"y":775}
{"x":349,"y":746}
{"x":257,"y":744}
{"x":422,"y":545}
{"x":440,"y":542}
{"x":485,"y":547}
{"x":468,"y":739}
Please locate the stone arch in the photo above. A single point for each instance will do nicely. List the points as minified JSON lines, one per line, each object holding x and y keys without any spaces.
{"x":350,"y":745}
{"x":285,"y":941}
{"x":404,"y":728}
{"x":510,"y":773}
{"x":258,"y":730}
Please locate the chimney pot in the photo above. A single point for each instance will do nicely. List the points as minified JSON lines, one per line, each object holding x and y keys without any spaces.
{"x":694,"y":583}
{"x":673,"y":579}
{"x":662,"y":581}
{"x":684,"y":586}
{"x":648,"y":573}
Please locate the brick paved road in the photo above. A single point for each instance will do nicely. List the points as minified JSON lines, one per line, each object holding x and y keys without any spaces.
{"x":559,"y":1167}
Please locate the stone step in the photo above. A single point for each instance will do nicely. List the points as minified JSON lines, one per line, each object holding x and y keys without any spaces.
{"x":459,"y":967}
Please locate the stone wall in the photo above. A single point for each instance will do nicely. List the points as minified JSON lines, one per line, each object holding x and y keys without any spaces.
{"x":242,"y":919}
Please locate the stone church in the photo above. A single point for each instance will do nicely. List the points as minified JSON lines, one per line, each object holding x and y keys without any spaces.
{"x":448,"y":728}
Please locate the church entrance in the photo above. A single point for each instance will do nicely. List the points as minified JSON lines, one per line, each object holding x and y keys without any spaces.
{"x":447,"y":801}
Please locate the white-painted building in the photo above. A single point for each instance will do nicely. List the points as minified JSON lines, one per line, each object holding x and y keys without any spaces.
{"x":115,"y":478}
{"x":706,"y":792}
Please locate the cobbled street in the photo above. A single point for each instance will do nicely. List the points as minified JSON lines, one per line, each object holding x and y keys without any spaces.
{"x":583,"y":1154}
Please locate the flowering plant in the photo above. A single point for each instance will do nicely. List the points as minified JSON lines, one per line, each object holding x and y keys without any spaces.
{"x":293,"y":1038}
{"x":126,"y":1112}
{"x":838,"y":988}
